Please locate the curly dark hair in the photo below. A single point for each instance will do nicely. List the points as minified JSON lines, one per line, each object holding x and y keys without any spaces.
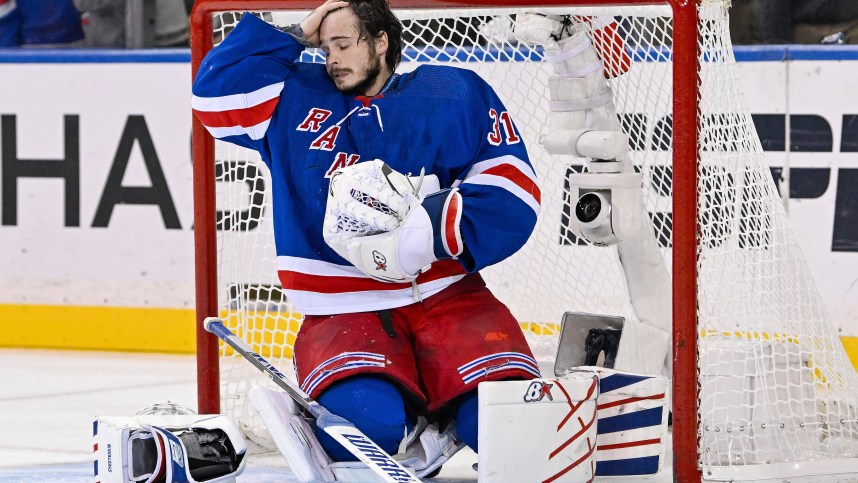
{"x":376,"y":17}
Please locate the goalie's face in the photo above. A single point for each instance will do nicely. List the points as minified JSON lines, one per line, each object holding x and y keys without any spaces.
{"x":355,"y":64}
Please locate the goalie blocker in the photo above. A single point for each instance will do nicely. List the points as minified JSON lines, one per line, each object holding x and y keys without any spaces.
{"x":167,"y":449}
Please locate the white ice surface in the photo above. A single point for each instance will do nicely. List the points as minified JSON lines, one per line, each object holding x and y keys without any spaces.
{"x":48,"y":400}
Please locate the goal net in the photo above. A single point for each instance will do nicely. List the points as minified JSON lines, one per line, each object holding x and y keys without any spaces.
{"x":775,"y":392}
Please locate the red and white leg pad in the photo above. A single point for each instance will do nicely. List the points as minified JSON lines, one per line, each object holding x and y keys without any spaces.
{"x":167,"y":448}
{"x":538,"y":430}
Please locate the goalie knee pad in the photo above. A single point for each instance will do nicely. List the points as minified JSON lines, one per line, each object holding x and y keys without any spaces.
{"x":374,"y":405}
{"x":186,"y":448}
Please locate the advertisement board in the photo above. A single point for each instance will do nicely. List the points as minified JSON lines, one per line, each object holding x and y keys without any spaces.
{"x":97,"y":207}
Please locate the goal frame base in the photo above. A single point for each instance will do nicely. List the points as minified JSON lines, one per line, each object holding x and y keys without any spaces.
{"x":800,"y":471}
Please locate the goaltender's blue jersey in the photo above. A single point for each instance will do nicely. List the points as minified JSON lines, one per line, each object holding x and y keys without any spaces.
{"x":252,"y":91}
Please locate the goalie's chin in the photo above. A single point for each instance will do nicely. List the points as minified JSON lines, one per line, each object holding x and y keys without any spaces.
{"x":345,"y":83}
{"x":351,"y":83}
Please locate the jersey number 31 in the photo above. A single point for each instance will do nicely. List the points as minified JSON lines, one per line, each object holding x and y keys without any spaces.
{"x":498,"y":121}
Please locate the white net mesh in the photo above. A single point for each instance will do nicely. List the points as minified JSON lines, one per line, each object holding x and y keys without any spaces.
{"x":775,"y":383}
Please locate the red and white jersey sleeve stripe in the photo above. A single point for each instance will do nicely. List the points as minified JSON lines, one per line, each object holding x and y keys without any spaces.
{"x":238,"y":114}
{"x":451,"y":234}
{"x":509,"y":173}
{"x":6,"y":7}
{"x":317,"y":287}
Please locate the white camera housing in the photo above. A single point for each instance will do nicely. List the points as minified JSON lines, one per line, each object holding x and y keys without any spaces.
{"x":608,"y":206}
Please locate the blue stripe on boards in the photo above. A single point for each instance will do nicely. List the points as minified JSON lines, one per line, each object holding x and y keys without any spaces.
{"x":823,"y":52}
{"x":509,"y":53}
{"x":95,"y":56}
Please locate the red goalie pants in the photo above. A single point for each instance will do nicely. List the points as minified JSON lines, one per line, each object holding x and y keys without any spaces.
{"x":437,"y":349}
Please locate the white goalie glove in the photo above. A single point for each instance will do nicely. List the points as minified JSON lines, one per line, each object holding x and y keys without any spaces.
{"x":365,"y":199}
{"x":374,"y":219}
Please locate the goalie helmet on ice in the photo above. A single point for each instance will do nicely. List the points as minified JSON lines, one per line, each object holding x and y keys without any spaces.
{"x":167,"y":444}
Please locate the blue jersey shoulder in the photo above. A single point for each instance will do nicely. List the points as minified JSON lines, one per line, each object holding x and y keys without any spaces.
{"x":312,"y":76}
{"x":445,"y":81}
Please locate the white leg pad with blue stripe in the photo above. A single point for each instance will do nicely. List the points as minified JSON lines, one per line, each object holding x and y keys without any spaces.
{"x":632,"y":422}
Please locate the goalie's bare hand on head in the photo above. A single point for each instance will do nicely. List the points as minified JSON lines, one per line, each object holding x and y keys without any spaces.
{"x":310,"y":25}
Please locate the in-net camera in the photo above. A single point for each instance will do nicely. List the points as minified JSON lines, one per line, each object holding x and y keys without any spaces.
{"x":608,"y":206}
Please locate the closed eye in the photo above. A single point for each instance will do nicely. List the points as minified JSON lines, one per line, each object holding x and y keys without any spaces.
{"x":338,"y":44}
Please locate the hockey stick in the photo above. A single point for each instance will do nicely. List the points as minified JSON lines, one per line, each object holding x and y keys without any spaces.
{"x":340,"y":429}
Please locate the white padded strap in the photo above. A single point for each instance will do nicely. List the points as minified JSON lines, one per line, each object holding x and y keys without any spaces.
{"x":563,"y":142}
{"x":581,"y":71}
{"x":600,"y":99}
{"x":569,"y":53}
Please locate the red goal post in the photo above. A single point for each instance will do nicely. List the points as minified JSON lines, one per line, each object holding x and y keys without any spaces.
{"x":684,"y":256}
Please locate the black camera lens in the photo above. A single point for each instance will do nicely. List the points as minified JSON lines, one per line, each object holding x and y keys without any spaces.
{"x":588,"y":207}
